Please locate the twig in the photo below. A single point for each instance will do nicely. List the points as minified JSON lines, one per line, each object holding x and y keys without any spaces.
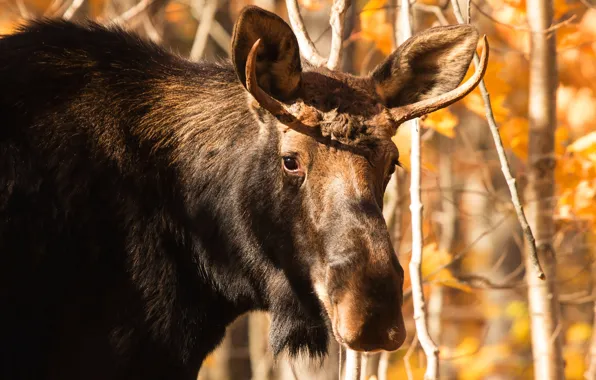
{"x":72,"y":9}
{"x":336,"y":20}
{"x":132,"y":12}
{"x":409,"y":353}
{"x":150,"y":29}
{"x":54,"y":6}
{"x":587,"y":4}
{"x":505,"y":167}
{"x":435,"y":9}
{"x":218,"y":33}
{"x":464,"y":251}
{"x":202,"y":35}
{"x":522,"y":28}
{"x":307,"y":48}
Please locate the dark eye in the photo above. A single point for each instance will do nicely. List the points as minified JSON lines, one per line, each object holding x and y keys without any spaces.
{"x":291,"y":164}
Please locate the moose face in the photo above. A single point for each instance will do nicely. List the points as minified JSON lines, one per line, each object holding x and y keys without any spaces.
{"x":336,"y":157}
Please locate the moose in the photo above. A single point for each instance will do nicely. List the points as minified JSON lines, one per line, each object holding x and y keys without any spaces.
{"x":147,"y":201}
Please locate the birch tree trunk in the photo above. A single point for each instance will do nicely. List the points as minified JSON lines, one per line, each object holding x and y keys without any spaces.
{"x":542,"y":295}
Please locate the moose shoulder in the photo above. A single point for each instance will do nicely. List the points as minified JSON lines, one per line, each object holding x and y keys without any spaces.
{"x":147,"y":201}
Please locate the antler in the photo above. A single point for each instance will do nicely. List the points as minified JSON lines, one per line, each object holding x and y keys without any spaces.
{"x":423,"y":107}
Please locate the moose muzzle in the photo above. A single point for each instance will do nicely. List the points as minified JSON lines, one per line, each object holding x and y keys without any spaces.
{"x":363,"y":298}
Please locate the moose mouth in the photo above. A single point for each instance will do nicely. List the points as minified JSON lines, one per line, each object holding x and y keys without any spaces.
{"x":359,"y":327}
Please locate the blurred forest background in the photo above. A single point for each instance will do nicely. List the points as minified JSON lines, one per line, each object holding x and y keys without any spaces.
{"x":473,"y":256}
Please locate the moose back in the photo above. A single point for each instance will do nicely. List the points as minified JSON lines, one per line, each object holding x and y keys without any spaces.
{"x":147,"y":201}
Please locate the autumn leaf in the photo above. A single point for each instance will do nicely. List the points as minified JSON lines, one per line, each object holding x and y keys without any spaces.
{"x":433,"y":259}
{"x":475,"y":104}
{"x":578,"y":333}
{"x":375,"y":27}
{"x":403,"y":142}
{"x":442,"y":121}
{"x":575,"y":364}
{"x":514,"y":133}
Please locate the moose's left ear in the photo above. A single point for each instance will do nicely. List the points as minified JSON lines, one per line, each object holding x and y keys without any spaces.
{"x":278,"y":68}
{"x":429,"y":64}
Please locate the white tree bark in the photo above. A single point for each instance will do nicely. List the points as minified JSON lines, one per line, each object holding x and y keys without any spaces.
{"x":542,"y":295}
{"x":431,"y":350}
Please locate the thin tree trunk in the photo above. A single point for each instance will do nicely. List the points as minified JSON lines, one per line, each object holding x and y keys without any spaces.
{"x":542,"y":295}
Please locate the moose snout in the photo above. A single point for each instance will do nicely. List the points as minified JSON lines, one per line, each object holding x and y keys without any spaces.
{"x":366,"y":312}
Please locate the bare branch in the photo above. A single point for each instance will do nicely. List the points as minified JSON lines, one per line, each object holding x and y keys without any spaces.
{"x":407,"y":357}
{"x":54,"y":6}
{"x":72,"y":9}
{"x":202,"y":35}
{"x":132,"y":12}
{"x":505,"y":167}
{"x":435,"y":9}
{"x":217,"y":31}
{"x":307,"y":48}
{"x":152,"y":33}
{"x":524,"y":28}
{"x":336,"y":20}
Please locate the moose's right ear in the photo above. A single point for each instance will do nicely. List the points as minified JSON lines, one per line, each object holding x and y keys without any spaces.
{"x":278,"y":58}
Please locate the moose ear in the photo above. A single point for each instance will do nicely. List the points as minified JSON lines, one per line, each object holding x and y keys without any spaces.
{"x":278,"y":66}
{"x":426,"y":65}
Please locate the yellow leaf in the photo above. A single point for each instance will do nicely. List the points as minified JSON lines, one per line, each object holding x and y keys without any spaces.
{"x":520,"y":331}
{"x":563,"y":7}
{"x":442,"y":121}
{"x":175,"y":12}
{"x":432,"y":260}
{"x":581,"y":112}
{"x":575,"y":364}
{"x":516,"y":309}
{"x":514,"y":133}
{"x":475,"y":104}
{"x":375,"y":27}
{"x":403,"y":142}
{"x":585,"y":145}
{"x":561,"y":139}
{"x":578,"y":333}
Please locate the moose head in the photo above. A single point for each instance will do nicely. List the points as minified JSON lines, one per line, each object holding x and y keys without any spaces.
{"x":335,"y":157}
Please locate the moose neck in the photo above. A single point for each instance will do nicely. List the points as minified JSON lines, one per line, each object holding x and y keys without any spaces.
{"x":232,"y":203}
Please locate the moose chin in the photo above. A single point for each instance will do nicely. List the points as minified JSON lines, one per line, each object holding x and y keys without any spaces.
{"x":147,"y":201}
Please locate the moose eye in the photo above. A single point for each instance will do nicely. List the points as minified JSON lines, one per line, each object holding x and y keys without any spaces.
{"x":291,"y":164}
